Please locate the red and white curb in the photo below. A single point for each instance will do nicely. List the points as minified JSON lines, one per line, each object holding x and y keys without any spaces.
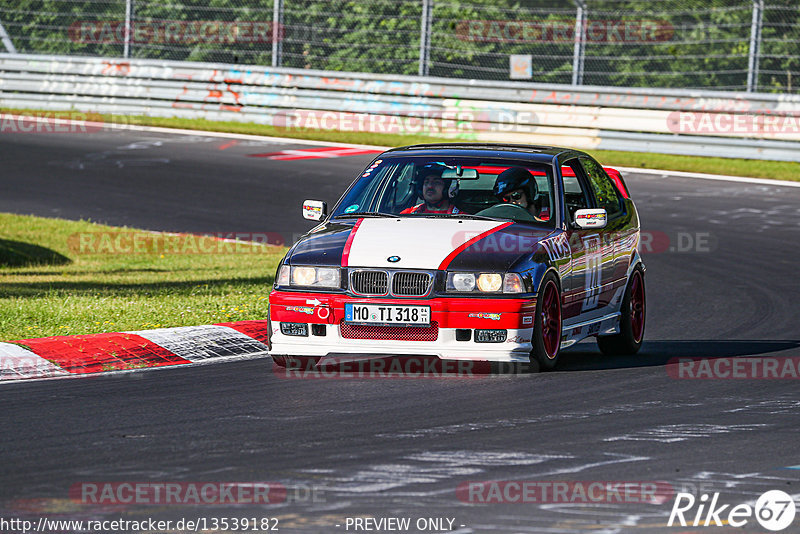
{"x":61,"y":356}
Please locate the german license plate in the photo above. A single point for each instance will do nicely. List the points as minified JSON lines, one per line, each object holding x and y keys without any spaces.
{"x":387,"y":314}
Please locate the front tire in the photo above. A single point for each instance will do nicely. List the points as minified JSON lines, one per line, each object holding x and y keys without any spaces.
{"x":632,"y":319}
{"x":547,"y":326}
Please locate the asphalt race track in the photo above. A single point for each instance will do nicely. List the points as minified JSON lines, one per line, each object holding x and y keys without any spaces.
{"x":721,"y":282}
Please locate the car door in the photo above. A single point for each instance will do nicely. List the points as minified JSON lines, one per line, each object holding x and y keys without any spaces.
{"x":605,"y":194}
{"x":582,"y":286}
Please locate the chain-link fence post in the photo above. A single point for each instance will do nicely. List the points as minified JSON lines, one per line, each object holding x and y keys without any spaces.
{"x":277,"y":33}
{"x":127,"y":42}
{"x":425,"y":37}
{"x":755,"y":45}
{"x":579,"y":51}
{"x":7,"y":40}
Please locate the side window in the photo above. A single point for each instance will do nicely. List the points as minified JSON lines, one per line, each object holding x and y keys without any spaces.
{"x":576,"y":196}
{"x":544,"y":198}
{"x":603,"y":188}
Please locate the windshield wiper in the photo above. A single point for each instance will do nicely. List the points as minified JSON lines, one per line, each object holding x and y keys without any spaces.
{"x":364,"y":214}
{"x":461,"y":216}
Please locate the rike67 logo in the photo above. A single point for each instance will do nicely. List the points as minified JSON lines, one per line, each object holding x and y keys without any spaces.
{"x":774,"y":510}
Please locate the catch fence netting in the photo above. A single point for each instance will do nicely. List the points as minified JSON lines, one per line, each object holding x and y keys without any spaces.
{"x":715,"y":44}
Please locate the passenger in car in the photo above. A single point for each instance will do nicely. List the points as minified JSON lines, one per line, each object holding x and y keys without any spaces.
{"x":516,"y":185}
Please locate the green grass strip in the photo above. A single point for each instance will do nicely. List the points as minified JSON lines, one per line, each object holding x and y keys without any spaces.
{"x":61,"y":277}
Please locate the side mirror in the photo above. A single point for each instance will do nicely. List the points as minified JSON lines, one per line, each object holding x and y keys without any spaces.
{"x":593,"y":218}
{"x":315,"y":210}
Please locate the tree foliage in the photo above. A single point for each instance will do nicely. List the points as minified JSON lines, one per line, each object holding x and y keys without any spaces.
{"x":686,"y":44}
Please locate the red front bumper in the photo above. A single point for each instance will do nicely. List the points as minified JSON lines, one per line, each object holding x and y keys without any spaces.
{"x":448,"y":312}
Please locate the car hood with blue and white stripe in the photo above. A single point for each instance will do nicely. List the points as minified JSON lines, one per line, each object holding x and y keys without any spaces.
{"x":418,"y":243}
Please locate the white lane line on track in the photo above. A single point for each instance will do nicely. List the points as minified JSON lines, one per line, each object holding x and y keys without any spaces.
{"x":718,"y":177}
{"x":290,"y":140}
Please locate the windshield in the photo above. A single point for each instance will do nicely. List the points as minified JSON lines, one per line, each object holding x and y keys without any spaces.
{"x":452,"y":187}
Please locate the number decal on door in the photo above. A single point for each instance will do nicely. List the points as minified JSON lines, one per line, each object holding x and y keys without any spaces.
{"x":593,"y":262}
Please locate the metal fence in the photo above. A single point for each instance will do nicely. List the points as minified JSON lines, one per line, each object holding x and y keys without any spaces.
{"x":757,"y":126}
{"x":742,"y":45}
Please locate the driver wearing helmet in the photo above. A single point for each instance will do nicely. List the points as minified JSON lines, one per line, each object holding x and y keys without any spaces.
{"x":437,"y":192}
{"x":516,"y":185}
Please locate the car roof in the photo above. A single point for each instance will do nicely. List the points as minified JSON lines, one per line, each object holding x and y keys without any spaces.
{"x":538,"y":153}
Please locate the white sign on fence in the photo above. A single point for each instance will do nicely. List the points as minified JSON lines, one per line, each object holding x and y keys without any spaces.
{"x":520,"y":67}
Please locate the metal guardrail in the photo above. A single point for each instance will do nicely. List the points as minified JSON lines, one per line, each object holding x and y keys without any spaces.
{"x":710,"y":123}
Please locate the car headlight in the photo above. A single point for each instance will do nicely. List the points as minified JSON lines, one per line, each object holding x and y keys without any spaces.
{"x":304,"y":276}
{"x":461,"y":281}
{"x":328,"y":277}
{"x":485,"y":283}
{"x":309,"y":276}
{"x":490,"y":282}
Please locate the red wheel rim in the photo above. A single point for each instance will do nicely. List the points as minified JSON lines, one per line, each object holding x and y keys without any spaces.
{"x":551,"y":320}
{"x":637,"y":306}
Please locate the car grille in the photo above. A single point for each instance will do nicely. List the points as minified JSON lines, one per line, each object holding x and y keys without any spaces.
{"x":370,"y":282}
{"x":410,"y":284}
{"x":396,"y":333}
{"x":402,"y":283}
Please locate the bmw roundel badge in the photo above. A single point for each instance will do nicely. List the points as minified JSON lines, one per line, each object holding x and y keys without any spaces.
{"x":393,"y":259}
